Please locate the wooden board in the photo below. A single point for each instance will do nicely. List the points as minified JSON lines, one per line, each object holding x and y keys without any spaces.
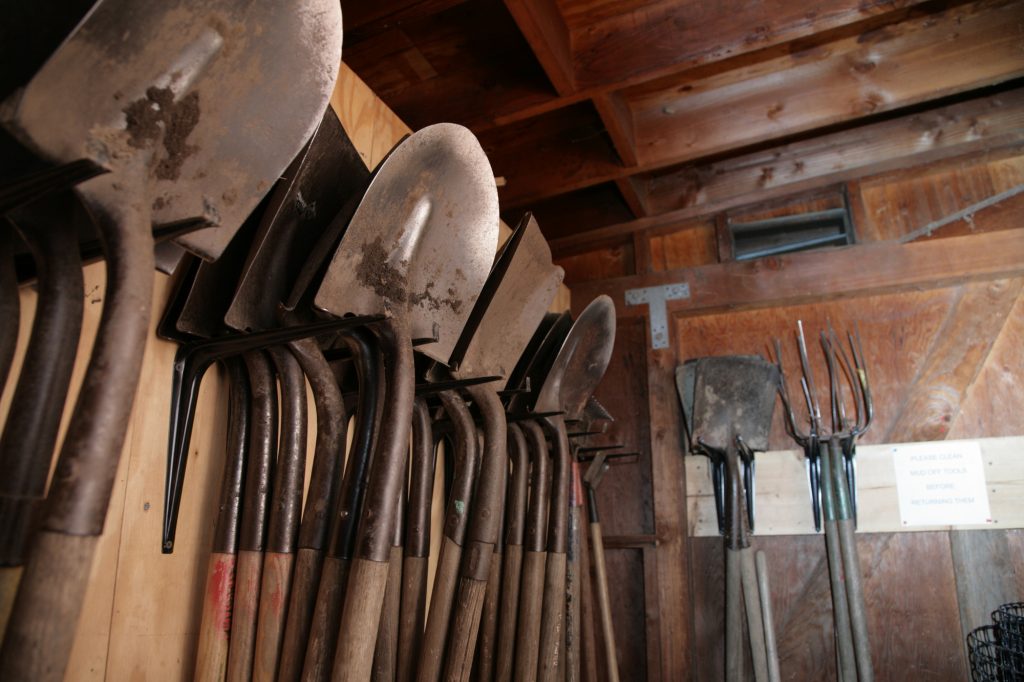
{"x":963,"y":48}
{"x":783,"y":498}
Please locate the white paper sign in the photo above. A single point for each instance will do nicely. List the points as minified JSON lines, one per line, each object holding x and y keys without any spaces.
{"x":941,"y":483}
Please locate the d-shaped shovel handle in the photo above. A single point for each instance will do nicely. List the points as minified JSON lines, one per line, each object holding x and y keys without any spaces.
{"x":190,"y":364}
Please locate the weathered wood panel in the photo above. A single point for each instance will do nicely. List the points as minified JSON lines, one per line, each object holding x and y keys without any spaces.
{"x":625,"y":493}
{"x":899,"y":204}
{"x":963,"y":48}
{"x":691,"y":246}
{"x":681,"y":34}
{"x":700,"y":189}
{"x":599,"y":264}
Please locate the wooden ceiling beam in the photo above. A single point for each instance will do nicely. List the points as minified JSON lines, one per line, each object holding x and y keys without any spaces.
{"x":921,"y":59}
{"x":956,"y":51}
{"x":861,"y":269}
{"x":635,"y":195}
{"x":618,"y":121}
{"x":544,"y":29}
{"x":700,"y":189}
{"x":839,"y":20}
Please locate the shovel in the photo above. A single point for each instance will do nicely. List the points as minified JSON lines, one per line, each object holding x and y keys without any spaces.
{"x":435,"y":191}
{"x":171,"y":81}
{"x":733,"y":401}
{"x":523,"y":293}
{"x":575,"y":373}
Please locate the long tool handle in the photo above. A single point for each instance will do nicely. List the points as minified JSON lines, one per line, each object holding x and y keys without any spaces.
{"x":41,"y":630}
{"x":417,"y":542}
{"x":603,"y":598}
{"x":552,"y":629}
{"x":215,"y":627}
{"x":323,"y":632}
{"x":573,"y":580}
{"x":512,"y":559}
{"x":385,"y":654}
{"x":764,"y":592}
{"x":733,"y":616}
{"x":508,"y":612}
{"x":410,"y":628}
{"x":487,"y":649}
{"x":328,"y":456}
{"x":482,"y":534}
{"x":361,"y":615}
{"x":531,"y":601}
{"x":446,"y":578}
{"x":755,"y":619}
{"x":323,"y":629}
{"x":837,"y":579}
{"x":851,"y":563}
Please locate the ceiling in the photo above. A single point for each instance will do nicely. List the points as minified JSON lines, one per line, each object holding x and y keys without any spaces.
{"x":605,"y":117}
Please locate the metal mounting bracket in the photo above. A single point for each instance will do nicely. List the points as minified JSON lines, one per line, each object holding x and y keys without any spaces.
{"x":655,"y":298}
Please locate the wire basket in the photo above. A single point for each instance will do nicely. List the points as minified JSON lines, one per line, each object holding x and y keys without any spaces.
{"x":1009,"y":620}
{"x":990,"y":660}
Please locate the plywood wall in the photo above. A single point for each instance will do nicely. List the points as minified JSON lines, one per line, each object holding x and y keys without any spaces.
{"x":944,"y":353}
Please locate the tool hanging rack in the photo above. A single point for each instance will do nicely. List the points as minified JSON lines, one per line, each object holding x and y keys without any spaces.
{"x":413,"y":332}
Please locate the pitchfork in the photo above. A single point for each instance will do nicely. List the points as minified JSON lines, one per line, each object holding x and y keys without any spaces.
{"x":830,"y":456}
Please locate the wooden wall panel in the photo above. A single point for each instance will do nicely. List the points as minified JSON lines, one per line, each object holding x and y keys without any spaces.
{"x":625,"y":492}
{"x":896,"y":330}
{"x":614,"y":261}
{"x":626,"y":575}
{"x":992,"y":405}
{"x":693,"y":245}
{"x":896,"y":204}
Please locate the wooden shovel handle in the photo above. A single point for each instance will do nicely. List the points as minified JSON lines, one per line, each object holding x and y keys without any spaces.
{"x":465,"y":625}
{"x":274,"y":596}
{"x":508,"y":612}
{"x":357,"y":635}
{"x":552,"y":622}
{"x":488,"y":640}
{"x":755,"y":620}
{"x":323,"y":628}
{"x":215,"y":628}
{"x":385,"y":655}
{"x":604,"y":601}
{"x":531,"y":599}
{"x":441,"y":602}
{"x":302,"y":602}
{"x":244,"y":614}
{"x":410,"y":628}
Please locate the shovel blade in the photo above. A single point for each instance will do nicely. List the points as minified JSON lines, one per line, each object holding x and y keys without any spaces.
{"x":167,"y":69}
{"x":422,"y":240}
{"x":733,"y":396}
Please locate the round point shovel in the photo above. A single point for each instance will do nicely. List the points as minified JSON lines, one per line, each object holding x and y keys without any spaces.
{"x":435,"y":192}
{"x":575,"y":373}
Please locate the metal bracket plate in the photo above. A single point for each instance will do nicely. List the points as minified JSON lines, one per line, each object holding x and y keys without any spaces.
{"x":655,"y":298}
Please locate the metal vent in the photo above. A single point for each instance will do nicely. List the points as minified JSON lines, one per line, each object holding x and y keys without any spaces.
{"x":785,"y":234}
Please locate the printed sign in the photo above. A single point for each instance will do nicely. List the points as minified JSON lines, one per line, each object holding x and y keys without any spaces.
{"x":941,"y":484}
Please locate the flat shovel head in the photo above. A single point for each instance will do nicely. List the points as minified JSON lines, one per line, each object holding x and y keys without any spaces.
{"x":184,"y":79}
{"x":302,"y":205}
{"x":422,"y":240}
{"x":581,"y":361}
{"x":733,"y":396}
{"x":523,"y":296}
